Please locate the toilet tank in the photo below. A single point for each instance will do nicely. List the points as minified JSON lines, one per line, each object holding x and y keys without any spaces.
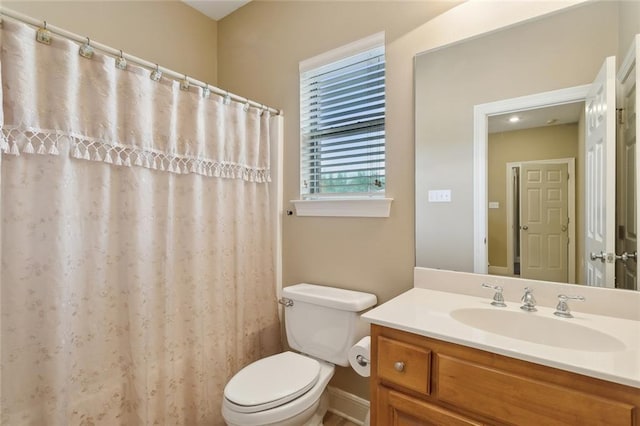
{"x":324,"y":322}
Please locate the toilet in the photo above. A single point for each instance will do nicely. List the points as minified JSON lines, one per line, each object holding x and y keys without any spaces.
{"x":289,"y":388}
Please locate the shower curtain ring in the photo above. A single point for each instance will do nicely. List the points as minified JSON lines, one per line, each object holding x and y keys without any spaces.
{"x":206,"y":91}
{"x":121,"y":62}
{"x":86,"y":51}
{"x":184,"y":83}
{"x":156,"y":75}
{"x":43,"y":35}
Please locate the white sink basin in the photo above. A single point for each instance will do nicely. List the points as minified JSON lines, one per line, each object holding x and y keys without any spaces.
{"x":534,"y":328}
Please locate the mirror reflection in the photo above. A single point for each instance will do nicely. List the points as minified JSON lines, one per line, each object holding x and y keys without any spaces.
{"x":526,"y":215}
{"x":533,"y":192}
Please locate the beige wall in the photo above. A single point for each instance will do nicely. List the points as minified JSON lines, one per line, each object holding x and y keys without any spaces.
{"x":562,"y":50}
{"x":259,"y":48}
{"x":166,"y":32}
{"x":541,"y":143}
{"x":629,"y":25}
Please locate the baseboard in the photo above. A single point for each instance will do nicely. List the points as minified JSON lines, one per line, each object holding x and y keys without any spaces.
{"x":499,"y":270}
{"x":347,"y":405}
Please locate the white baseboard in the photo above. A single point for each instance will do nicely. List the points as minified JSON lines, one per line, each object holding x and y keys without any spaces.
{"x":347,"y":405}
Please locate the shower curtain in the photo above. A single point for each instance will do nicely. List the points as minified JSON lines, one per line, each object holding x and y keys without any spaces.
{"x":137,"y":267}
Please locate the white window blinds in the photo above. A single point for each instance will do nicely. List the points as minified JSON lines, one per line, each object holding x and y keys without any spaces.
{"x":342,"y":123}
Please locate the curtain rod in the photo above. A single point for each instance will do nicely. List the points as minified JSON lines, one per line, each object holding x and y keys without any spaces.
{"x":117,"y":53}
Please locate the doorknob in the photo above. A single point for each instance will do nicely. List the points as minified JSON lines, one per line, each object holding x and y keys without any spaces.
{"x":626,"y":256}
{"x":603,"y":257}
{"x":524,"y":227}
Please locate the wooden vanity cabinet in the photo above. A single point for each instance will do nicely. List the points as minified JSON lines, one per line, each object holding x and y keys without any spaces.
{"x":417,"y":380}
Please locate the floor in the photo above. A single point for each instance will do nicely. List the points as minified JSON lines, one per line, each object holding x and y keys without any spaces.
{"x":334,"y":420}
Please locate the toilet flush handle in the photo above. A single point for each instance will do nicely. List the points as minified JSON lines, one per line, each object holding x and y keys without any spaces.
{"x":285,"y":301}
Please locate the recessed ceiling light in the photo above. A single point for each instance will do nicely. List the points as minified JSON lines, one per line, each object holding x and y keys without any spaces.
{"x":552,"y":121}
{"x":514,"y":119}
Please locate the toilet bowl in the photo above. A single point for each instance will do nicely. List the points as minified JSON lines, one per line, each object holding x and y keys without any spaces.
{"x":286,"y":389}
{"x":289,"y":389}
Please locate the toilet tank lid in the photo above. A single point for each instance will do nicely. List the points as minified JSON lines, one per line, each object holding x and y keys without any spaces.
{"x":337,"y":298}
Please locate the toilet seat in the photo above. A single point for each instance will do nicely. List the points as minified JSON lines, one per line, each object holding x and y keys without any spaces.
{"x":271,"y":382}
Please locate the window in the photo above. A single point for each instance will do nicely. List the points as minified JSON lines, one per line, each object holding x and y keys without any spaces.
{"x":342,"y":122}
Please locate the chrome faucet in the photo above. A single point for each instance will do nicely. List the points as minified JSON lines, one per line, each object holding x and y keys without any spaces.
{"x":562,"y":309}
{"x":528,"y":301}
{"x":498,"y":299}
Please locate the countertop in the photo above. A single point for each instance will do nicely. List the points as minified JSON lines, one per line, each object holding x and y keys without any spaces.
{"x":428,"y":313}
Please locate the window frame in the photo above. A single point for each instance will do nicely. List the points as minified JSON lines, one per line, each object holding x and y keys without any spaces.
{"x":368,"y":204}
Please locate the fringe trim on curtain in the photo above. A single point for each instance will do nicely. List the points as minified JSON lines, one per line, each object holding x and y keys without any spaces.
{"x":45,"y":142}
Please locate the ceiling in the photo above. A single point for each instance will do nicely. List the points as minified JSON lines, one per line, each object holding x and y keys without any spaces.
{"x":216,"y":9}
{"x":549,"y":116}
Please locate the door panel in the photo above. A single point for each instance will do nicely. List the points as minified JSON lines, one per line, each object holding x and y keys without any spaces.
{"x":627,"y":187}
{"x":600,"y":177}
{"x":544,"y":221}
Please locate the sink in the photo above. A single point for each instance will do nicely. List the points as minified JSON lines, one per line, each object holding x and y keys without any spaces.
{"x":534,"y":328}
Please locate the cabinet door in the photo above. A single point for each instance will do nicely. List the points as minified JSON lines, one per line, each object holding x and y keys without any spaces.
{"x":523,"y":400}
{"x":397,"y":409}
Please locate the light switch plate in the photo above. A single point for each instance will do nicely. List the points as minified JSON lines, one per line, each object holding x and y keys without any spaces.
{"x":439,"y":196}
{"x":494,"y":204}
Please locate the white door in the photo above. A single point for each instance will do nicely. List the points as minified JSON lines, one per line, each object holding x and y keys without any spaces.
{"x":600,"y":151}
{"x":627,"y":188}
{"x":544,"y":217}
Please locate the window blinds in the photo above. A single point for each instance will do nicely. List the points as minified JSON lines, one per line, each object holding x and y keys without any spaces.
{"x":342,"y":121}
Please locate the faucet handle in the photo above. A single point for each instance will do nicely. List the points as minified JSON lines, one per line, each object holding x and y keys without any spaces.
{"x":498,"y":299}
{"x":562,"y":309}
{"x":528,"y":301}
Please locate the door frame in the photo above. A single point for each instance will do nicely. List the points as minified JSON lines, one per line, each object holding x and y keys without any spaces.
{"x":481,"y":114}
{"x":571,"y":212}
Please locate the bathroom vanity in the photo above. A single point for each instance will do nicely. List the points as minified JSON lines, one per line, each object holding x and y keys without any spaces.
{"x":441,"y":358}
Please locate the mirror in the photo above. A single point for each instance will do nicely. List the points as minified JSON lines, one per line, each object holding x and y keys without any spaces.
{"x":539,"y":56}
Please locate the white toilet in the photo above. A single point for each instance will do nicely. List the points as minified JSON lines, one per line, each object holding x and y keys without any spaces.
{"x":289,"y":389}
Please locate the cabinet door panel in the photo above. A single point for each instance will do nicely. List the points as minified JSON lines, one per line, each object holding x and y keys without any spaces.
{"x":520,"y":400}
{"x":397,"y":409}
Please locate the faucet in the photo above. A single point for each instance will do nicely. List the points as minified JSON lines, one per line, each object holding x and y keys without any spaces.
{"x":528,"y":301}
{"x":562,"y":309}
{"x":498,"y":299}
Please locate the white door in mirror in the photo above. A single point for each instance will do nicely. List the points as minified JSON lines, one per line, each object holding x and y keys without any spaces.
{"x":600,"y":151}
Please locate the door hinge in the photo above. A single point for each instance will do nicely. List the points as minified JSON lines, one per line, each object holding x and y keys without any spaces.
{"x":620,"y":114}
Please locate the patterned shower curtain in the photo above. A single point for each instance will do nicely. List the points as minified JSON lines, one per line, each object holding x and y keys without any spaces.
{"x":137,"y":238}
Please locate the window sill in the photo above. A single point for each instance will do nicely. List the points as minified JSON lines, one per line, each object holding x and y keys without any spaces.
{"x":344,"y":207}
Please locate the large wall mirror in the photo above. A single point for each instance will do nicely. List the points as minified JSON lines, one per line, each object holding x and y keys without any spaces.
{"x":511,"y":173}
